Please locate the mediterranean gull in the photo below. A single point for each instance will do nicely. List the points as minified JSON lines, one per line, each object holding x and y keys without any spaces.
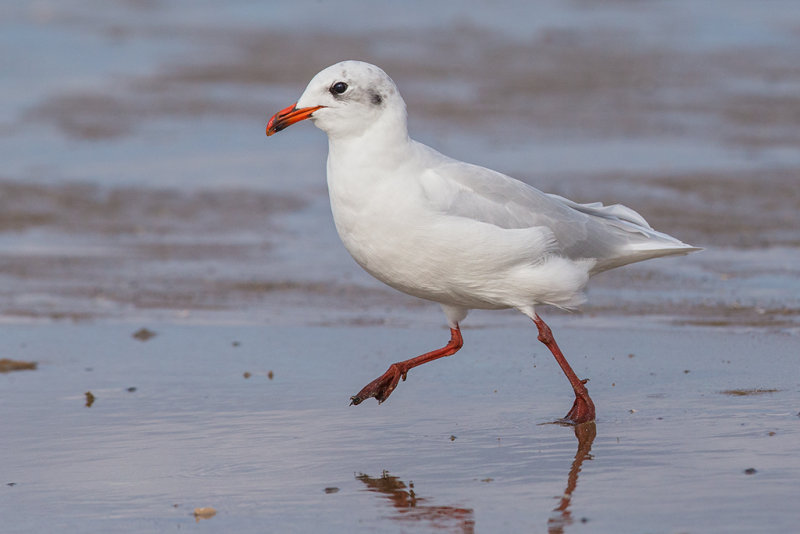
{"x":458,"y":234}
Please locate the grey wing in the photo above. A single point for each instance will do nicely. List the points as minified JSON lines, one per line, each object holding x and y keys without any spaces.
{"x":612,"y":235}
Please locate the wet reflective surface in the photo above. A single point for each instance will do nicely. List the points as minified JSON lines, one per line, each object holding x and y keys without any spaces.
{"x":411,"y":508}
{"x":464,"y":443}
{"x":562,"y":516}
{"x":139,"y":194}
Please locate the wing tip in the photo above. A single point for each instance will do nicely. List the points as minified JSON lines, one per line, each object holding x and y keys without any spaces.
{"x":660,"y":248}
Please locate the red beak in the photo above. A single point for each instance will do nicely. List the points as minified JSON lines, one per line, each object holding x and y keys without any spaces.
{"x":286,"y":117}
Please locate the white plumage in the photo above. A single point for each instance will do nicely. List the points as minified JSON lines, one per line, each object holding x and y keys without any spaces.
{"x":447,"y":231}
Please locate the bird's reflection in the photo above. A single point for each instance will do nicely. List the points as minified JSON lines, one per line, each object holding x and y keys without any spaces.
{"x":412,"y":508}
{"x":561,"y":515}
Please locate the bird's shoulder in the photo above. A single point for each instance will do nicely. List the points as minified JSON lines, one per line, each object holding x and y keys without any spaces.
{"x":467,"y":190}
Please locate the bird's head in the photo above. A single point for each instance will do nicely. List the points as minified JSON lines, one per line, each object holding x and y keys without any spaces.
{"x":344,"y":100}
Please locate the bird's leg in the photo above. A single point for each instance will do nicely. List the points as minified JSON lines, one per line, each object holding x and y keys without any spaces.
{"x":583,"y":408}
{"x":382,"y":387}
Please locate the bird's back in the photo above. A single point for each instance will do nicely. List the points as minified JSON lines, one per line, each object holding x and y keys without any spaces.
{"x":611,"y":235}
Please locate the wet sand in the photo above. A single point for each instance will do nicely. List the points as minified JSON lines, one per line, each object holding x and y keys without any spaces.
{"x":138,"y":195}
{"x":462,"y":446}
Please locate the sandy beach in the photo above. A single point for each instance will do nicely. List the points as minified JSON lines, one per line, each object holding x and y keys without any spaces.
{"x":138,"y":194}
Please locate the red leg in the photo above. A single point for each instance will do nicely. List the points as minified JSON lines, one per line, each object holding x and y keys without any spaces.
{"x":382,"y":387}
{"x":583,"y":409}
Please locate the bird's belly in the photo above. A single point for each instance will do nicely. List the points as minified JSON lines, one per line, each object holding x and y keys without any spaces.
{"x":395,"y":258}
{"x":410,"y":259}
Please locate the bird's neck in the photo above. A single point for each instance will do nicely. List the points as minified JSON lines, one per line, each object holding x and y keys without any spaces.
{"x":380,"y":145}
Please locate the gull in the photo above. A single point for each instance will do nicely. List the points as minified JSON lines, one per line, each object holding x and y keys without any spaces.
{"x":454,"y":233}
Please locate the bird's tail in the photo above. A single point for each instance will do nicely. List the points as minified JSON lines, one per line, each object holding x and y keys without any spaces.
{"x":639,"y":241}
{"x":648,"y":245}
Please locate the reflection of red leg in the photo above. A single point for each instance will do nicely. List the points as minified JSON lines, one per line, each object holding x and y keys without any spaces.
{"x":583,"y":409}
{"x":382,"y":387}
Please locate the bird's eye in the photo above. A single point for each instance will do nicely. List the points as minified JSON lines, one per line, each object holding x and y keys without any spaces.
{"x":338,"y":88}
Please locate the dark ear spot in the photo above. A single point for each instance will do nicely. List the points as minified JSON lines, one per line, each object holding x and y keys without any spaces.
{"x":377,"y":99}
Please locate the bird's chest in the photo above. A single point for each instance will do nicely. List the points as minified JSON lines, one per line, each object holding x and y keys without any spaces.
{"x":383,"y":229}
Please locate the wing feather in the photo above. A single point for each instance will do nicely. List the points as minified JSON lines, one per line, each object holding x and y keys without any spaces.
{"x":612,"y":235}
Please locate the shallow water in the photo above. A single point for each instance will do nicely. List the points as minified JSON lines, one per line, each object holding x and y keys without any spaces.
{"x":462,"y":445}
{"x":137,"y":188}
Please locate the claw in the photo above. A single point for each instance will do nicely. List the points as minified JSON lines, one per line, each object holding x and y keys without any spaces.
{"x":381,"y":387}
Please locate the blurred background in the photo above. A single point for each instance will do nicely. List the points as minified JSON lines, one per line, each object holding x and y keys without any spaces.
{"x":136,"y":180}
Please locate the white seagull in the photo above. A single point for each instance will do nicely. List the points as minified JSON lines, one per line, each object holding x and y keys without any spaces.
{"x":458,"y":234}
